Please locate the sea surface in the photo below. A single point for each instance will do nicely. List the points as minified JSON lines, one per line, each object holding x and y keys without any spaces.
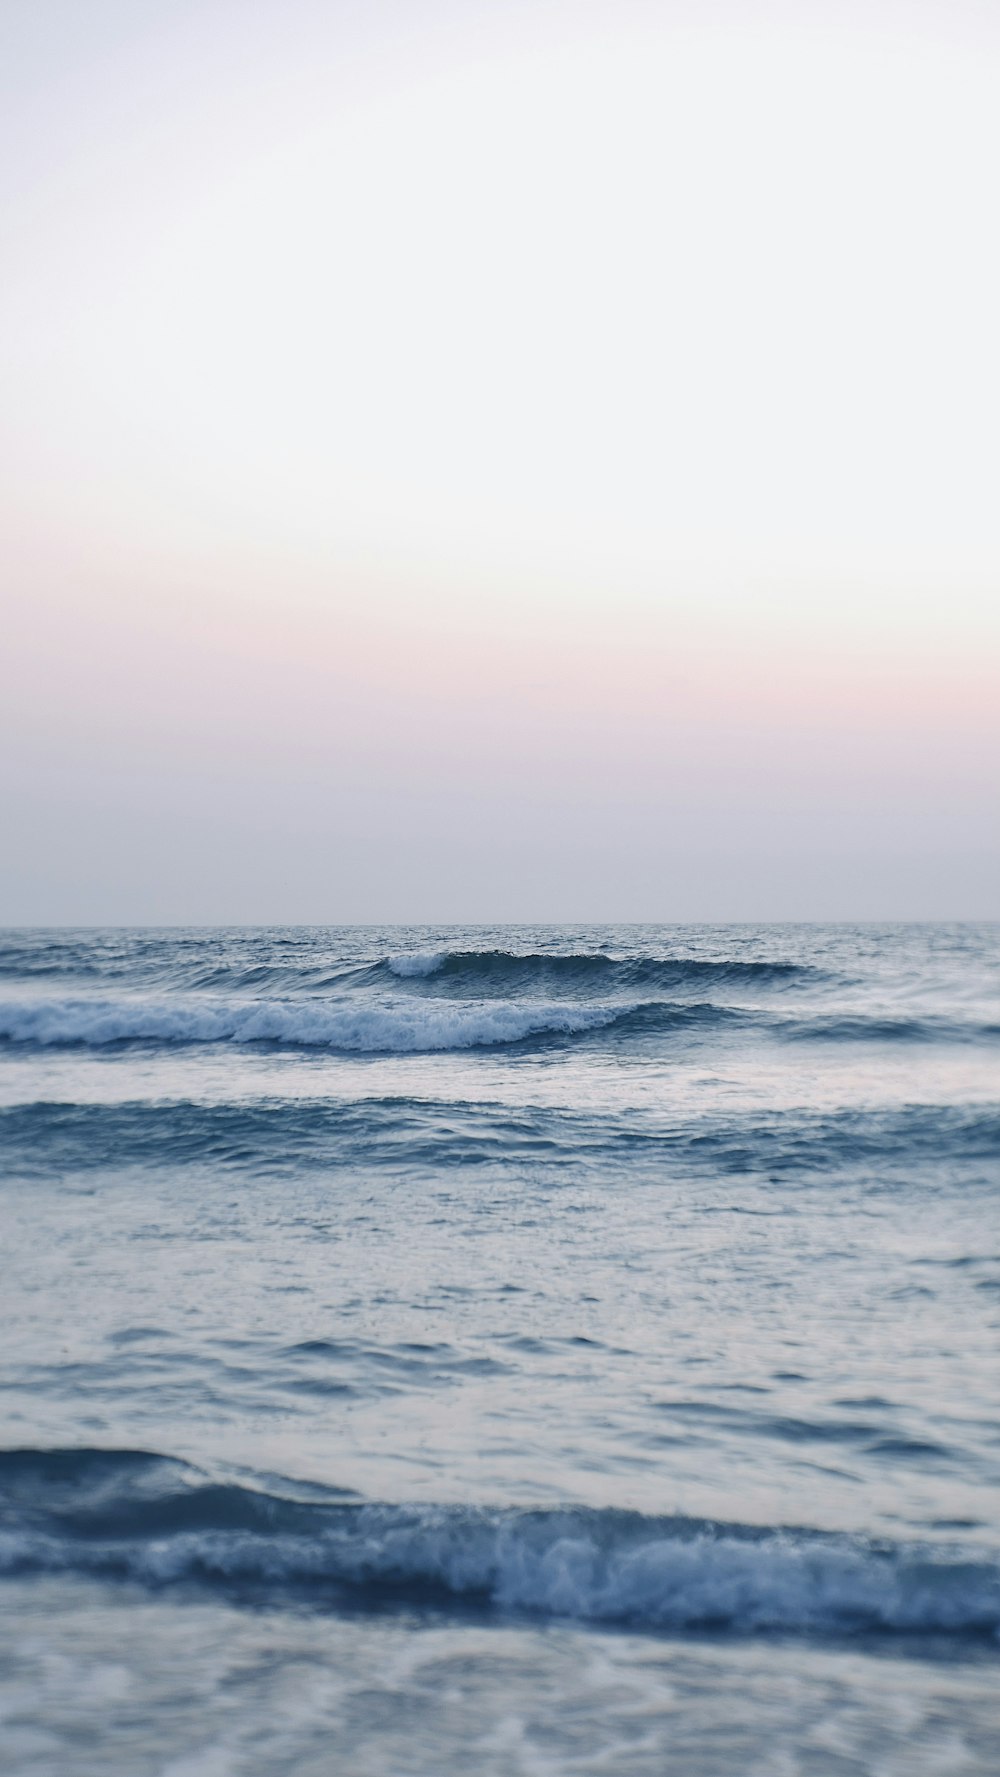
{"x":520,"y":1351}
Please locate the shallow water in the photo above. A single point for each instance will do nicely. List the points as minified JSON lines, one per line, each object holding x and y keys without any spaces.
{"x":560,"y":1348}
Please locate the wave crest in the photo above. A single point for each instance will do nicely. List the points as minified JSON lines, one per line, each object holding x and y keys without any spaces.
{"x":405,"y":1028}
{"x":128,"y":1514}
{"x":423,"y":1024}
{"x":508,"y":970}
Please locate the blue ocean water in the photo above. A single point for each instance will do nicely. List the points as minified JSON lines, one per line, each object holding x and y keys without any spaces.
{"x":550,"y":1350}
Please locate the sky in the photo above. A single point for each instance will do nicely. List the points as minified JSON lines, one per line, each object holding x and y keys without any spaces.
{"x":499,"y":461}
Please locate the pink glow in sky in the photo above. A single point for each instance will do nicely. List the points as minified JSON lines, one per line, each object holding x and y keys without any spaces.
{"x":498,"y":461}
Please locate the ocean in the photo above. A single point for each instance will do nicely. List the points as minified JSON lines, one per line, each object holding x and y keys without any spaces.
{"x":528,"y":1351}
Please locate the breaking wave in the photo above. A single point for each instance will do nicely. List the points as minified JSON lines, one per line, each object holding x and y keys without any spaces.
{"x":405,"y":1027}
{"x":420,"y":1025}
{"x":127,"y":1514}
{"x":266,"y":963}
{"x":510,"y":970}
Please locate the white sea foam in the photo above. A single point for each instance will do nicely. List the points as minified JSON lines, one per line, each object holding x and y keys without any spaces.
{"x":404,"y":1027}
{"x":417,"y":963}
{"x":568,"y":1568}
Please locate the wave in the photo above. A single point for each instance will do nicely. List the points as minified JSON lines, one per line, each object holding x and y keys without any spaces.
{"x":840,"y":1027}
{"x":403,"y":1028}
{"x":235,"y":962}
{"x":170,"y":962}
{"x":508,"y":970}
{"x":137,"y":1516}
{"x":409,"y":1026}
{"x":351,"y":1026}
{"x":286,"y":1135}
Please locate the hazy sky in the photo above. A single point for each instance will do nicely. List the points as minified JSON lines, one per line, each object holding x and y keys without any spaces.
{"x":498,"y":460}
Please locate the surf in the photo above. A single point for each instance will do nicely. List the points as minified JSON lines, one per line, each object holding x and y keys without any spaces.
{"x":141,"y":1517}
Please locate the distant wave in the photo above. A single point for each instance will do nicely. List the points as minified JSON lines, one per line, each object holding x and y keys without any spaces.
{"x":131,"y":1515}
{"x":846,"y":1027}
{"x":157,"y":966}
{"x":509,"y":970}
{"x":287,"y":1135}
{"x":172,"y":961}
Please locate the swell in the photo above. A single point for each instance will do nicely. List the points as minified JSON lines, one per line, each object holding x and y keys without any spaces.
{"x":133,"y":1515}
{"x":504,"y":970}
{"x":420,"y":1025}
{"x":238,"y":960}
{"x":287,"y":1136}
{"x":245,"y":963}
{"x":848,"y":1027}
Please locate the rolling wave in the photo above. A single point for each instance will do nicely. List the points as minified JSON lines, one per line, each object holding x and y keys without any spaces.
{"x":507,"y":971}
{"x":286,"y":1135}
{"x":422,"y":1025}
{"x":128,"y":1514}
{"x":401,"y":1028}
{"x":227,"y":962}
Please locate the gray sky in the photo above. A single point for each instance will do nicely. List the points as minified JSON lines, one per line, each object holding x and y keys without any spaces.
{"x":499,"y":461}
